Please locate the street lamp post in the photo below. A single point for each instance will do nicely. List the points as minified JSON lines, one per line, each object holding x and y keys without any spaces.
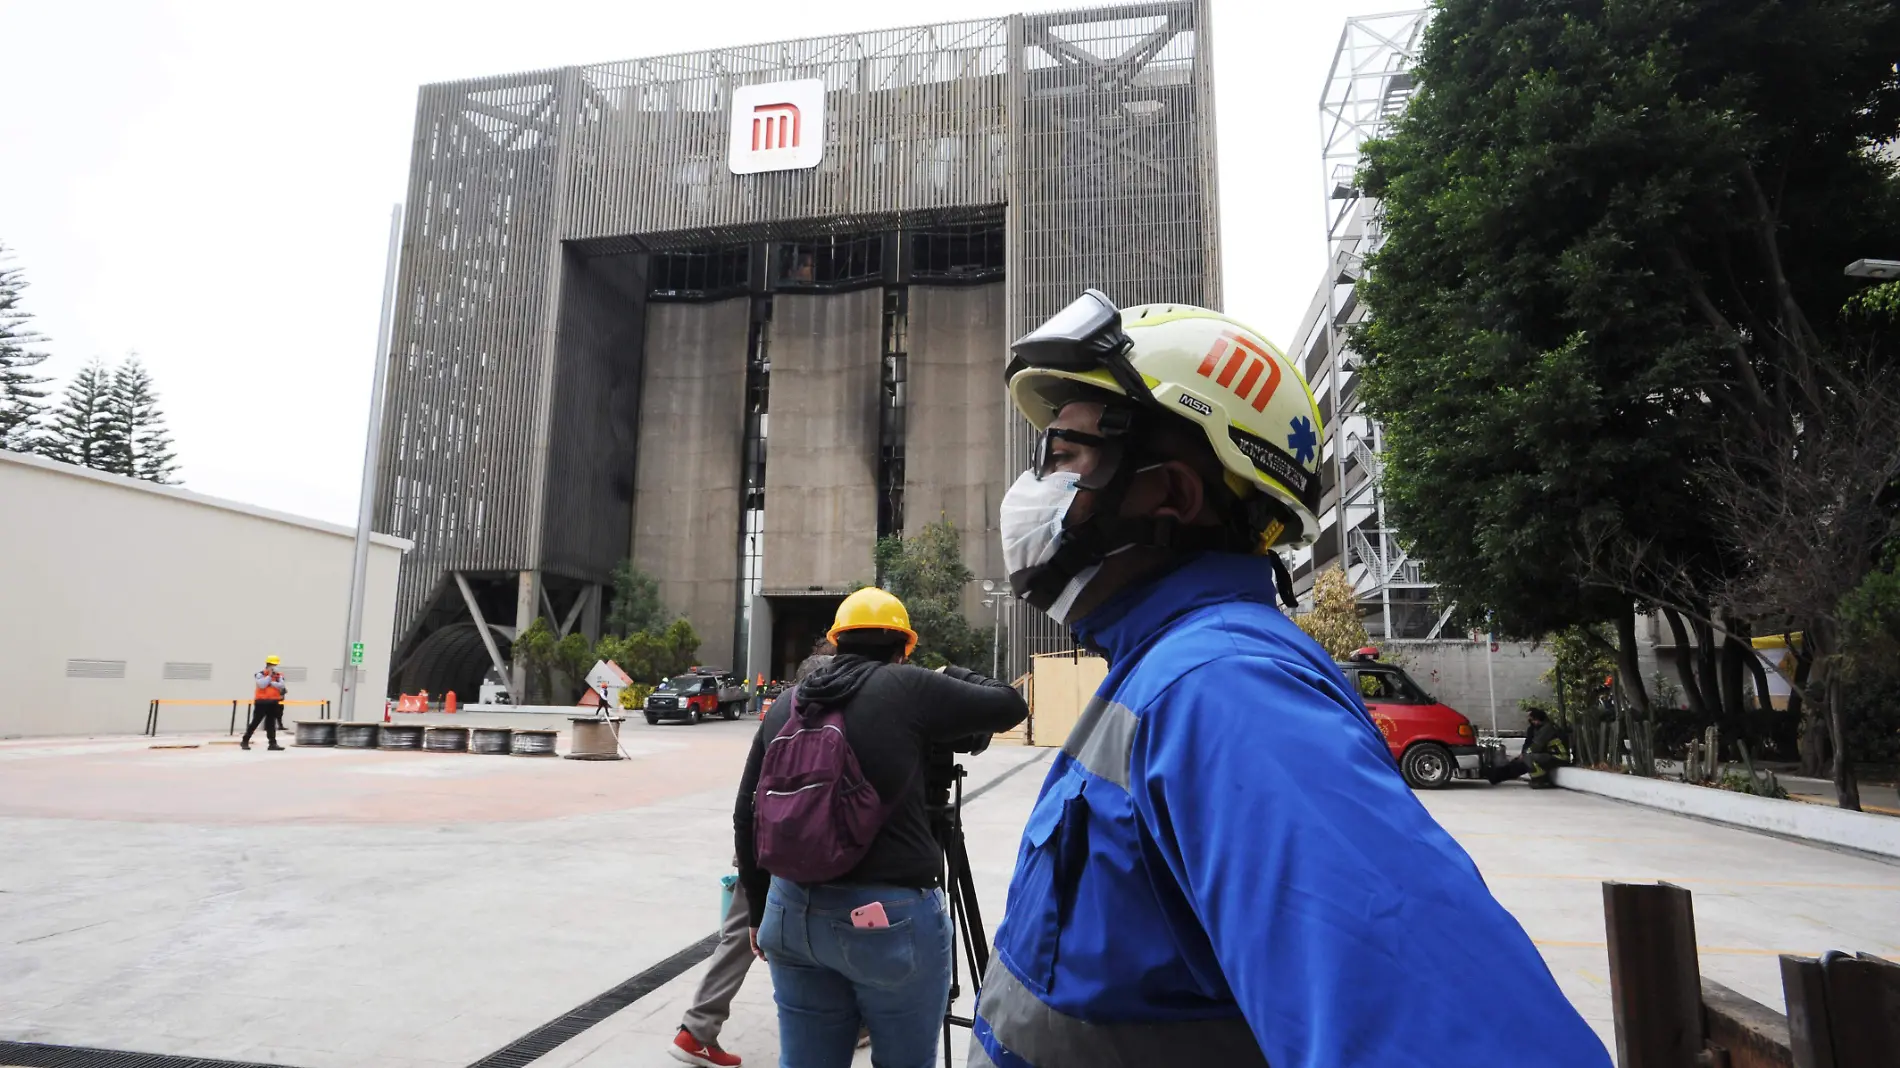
{"x":994,"y":599}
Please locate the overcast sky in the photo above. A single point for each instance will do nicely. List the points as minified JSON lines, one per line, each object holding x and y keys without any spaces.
{"x":208,"y":184}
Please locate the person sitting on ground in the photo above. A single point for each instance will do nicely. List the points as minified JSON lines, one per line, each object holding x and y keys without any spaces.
{"x":869,"y":944}
{"x":1546,"y":746}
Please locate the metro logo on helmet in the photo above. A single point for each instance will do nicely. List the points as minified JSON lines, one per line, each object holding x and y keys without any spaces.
{"x":1241,"y":352}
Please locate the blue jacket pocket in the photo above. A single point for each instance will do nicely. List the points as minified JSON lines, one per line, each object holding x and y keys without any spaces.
{"x":1042,"y":896}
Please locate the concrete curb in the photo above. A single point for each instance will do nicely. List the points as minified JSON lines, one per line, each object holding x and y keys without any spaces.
{"x":1832,"y":826}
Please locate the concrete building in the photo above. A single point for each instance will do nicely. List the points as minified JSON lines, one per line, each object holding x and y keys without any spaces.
{"x":120,"y":591}
{"x":736,"y":314}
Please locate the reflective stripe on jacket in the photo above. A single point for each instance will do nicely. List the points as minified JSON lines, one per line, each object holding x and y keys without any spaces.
{"x":270,"y":686}
{"x":1226,"y":867}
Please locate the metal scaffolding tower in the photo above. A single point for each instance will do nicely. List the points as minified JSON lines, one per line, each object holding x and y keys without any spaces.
{"x":1369,"y":84}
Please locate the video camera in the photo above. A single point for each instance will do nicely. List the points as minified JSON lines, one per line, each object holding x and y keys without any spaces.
{"x":941,"y":770}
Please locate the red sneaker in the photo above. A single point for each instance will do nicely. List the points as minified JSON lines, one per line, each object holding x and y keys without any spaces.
{"x":691,"y":1050}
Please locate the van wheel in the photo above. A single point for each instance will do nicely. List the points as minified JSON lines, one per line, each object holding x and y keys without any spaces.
{"x":1427,"y":766}
{"x":652,"y":720}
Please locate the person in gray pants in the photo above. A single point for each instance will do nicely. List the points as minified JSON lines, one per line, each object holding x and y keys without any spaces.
{"x":698,"y":1039}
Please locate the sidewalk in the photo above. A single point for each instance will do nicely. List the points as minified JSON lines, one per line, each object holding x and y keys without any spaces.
{"x":1874,"y":797}
{"x":333,"y":909}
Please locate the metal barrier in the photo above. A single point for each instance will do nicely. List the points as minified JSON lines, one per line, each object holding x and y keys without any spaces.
{"x":151,"y":710}
{"x":1841,"y":1008}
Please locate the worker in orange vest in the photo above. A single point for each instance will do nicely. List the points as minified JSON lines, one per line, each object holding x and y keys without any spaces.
{"x":267,"y":703}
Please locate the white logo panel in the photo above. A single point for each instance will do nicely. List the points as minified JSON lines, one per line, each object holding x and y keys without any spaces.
{"x":779,"y":126}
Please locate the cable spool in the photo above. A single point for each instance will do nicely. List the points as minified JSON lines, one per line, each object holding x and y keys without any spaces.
{"x":320,"y":732}
{"x":445,"y":739}
{"x":400,"y":736}
{"x":532,"y":743}
{"x":490,"y":741}
{"x":357,"y":735}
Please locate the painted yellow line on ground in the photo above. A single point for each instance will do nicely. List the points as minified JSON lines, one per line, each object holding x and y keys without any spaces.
{"x":1690,"y":879}
{"x":1730,"y":951}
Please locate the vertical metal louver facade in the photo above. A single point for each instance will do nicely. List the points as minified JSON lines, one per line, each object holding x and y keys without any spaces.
{"x":1091,"y":129}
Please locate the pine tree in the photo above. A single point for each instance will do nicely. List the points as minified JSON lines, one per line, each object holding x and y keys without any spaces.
{"x":142,"y":446}
{"x":22,"y":404}
{"x":80,"y":431}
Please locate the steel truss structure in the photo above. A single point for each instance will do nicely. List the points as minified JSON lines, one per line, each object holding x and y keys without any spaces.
{"x":539,"y":203}
{"x":1369,"y":83}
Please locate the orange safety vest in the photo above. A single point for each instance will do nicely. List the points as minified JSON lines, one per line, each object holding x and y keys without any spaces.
{"x":270,"y":691}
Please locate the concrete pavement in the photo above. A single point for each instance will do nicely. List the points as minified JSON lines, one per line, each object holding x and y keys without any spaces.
{"x":324,"y":908}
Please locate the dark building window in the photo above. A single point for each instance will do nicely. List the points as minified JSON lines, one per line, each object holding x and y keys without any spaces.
{"x":891,"y":433}
{"x":962,"y":252}
{"x":829,"y":264}
{"x":699,"y":274}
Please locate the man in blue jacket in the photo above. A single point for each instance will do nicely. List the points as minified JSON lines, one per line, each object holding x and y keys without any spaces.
{"x":1225,"y":866}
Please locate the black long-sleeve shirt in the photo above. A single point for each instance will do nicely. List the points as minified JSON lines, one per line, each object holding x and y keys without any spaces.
{"x":893,"y":714}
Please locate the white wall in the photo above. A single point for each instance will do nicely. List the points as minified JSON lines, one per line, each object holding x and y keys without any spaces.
{"x":1455,"y":673}
{"x":98,"y":567}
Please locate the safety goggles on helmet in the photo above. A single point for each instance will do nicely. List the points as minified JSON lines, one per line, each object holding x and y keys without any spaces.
{"x":1085,"y":336}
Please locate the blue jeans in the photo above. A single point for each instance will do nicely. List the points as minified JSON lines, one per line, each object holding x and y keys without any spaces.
{"x":828,"y":976}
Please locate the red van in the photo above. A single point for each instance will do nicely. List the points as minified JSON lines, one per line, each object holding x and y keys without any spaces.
{"x":1432,"y":742}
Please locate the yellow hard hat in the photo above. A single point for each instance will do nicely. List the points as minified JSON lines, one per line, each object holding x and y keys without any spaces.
{"x":271,"y":659}
{"x":873,"y":609}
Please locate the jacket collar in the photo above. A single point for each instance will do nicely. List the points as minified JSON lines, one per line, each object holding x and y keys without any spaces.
{"x":1126,"y":621}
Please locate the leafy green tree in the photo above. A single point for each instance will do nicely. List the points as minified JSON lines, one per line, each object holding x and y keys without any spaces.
{"x":136,"y":427}
{"x":926,"y":572}
{"x":535,"y":649}
{"x":1581,"y":659}
{"x":1609,"y":296}
{"x":1606,"y":225}
{"x":1334,"y":621}
{"x":635,"y":605}
{"x":81,"y":430}
{"x":574,"y":655}
{"x":22,"y":402}
{"x":649,"y":656}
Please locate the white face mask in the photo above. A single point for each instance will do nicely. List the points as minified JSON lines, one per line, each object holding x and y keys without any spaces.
{"x":1031,"y":518}
{"x":1031,"y":524}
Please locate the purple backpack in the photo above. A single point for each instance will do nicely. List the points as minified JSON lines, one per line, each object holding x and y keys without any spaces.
{"x":814,"y":813}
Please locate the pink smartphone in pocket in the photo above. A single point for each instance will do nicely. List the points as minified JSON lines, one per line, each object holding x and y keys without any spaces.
{"x":870,"y":916}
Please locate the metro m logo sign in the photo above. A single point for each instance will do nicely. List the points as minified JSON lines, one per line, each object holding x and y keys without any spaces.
{"x":765,"y":117}
{"x":1239,"y":363}
{"x":779,"y":126}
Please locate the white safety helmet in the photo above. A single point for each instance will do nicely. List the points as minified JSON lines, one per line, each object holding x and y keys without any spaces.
{"x":1251,"y":401}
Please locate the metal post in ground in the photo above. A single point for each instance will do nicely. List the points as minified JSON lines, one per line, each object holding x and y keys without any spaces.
{"x":366,"y":498}
{"x":1490,"y":680}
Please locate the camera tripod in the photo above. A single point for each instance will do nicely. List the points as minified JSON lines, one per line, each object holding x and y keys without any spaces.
{"x":966,"y":915}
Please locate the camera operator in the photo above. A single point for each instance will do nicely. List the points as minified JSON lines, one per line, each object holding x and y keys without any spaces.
{"x":874,"y":944}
